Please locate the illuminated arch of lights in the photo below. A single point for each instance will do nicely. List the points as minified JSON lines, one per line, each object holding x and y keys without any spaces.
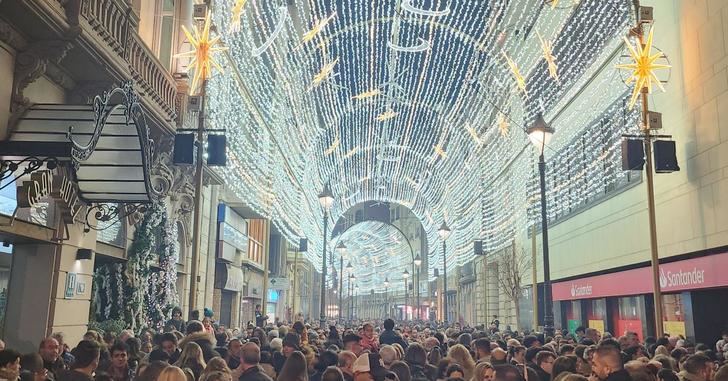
{"x":336,"y":96}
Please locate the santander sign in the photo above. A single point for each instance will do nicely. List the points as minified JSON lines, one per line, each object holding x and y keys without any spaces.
{"x":695,"y":273}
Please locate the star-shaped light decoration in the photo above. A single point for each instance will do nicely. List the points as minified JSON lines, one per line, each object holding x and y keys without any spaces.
{"x":520,"y":80}
{"x":367,"y":94}
{"x":503,"y":126}
{"x":642,"y":68}
{"x":332,"y":147}
{"x":324,"y":73}
{"x":351,"y":152}
{"x":439,"y":151}
{"x":317,"y":28}
{"x":237,"y":13}
{"x":387,"y":115}
{"x":202,"y":49}
{"x":548,"y":54}
{"x":474,"y":135}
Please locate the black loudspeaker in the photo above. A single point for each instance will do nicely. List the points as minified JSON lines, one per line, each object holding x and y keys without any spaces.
{"x":303,"y":244}
{"x":184,"y":149}
{"x":478,"y":247}
{"x":216,"y":150}
{"x":436,"y":273}
{"x":633,"y":155}
{"x":665,"y":158}
{"x":84,"y":254}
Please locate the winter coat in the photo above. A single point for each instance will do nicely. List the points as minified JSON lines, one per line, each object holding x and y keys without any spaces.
{"x":254,"y":374}
{"x":391,"y":337}
{"x":205,"y":341}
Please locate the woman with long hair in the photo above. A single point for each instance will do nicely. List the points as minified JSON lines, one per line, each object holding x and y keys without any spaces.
{"x":191,"y":358}
{"x":460,"y":355}
{"x":294,"y":369}
{"x":217,"y":364}
{"x":483,"y":372}
{"x":171,"y":373}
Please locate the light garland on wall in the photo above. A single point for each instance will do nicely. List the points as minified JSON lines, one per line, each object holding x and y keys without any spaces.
{"x":450,"y":146}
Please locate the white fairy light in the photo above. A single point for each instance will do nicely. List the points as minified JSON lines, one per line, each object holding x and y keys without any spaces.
{"x":448,"y":96}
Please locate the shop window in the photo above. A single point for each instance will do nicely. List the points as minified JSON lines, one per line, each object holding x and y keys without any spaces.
{"x":630,"y":315}
{"x":673,"y":313}
{"x":597,"y":314}
{"x":573,"y":315}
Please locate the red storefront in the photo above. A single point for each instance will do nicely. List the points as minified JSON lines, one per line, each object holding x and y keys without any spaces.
{"x":693,"y":293}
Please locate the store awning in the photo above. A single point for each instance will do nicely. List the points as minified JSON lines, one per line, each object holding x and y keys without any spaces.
{"x":107,"y":143}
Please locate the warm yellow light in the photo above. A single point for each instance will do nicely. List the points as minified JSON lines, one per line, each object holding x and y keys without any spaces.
{"x":548,"y":55}
{"x":202,"y":49}
{"x":332,"y":147}
{"x":324,"y":73}
{"x":643,"y":67}
{"x":389,"y":114}
{"x":520,"y":80}
{"x":317,"y":28}
{"x":439,"y":151}
{"x":503,"y":125}
{"x":367,"y":94}
{"x":237,"y":13}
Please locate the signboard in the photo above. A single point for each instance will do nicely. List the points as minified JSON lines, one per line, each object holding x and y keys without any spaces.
{"x":70,"y":285}
{"x":689,"y":274}
{"x":573,"y":325}
{"x":597,"y":324}
{"x":674,"y":328}
{"x":279,"y":284}
{"x":44,"y":184}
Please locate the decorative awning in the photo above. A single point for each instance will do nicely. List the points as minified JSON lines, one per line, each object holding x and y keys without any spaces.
{"x":107,"y":144}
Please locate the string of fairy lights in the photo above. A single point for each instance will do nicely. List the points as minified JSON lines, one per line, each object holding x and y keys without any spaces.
{"x":420,"y":103}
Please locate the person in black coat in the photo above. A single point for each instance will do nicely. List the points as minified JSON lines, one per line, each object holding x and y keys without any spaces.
{"x":249,"y":366}
{"x":389,"y":336}
{"x":196,"y":334}
{"x":607,"y":364}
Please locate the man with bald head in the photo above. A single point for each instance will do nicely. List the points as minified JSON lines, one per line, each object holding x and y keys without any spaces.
{"x":50,"y":352}
{"x":249,"y":364}
{"x":607,"y":365}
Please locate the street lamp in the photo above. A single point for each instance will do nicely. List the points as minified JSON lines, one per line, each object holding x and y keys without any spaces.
{"x":540,"y":135}
{"x":444,"y":233}
{"x":356,"y":289}
{"x":386,"y":297}
{"x":326,"y":199}
{"x":418,"y":263}
{"x":405,"y":275}
{"x":341,"y":249}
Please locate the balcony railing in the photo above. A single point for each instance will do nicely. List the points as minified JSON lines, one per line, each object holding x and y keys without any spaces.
{"x":115,"y":22}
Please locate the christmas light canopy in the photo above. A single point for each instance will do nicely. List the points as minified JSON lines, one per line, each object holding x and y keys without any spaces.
{"x":420,"y":103}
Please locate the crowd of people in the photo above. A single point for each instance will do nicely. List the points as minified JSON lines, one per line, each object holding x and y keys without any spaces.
{"x":201,"y":350}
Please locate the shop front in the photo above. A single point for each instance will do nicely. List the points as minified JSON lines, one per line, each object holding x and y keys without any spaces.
{"x":622,"y":301}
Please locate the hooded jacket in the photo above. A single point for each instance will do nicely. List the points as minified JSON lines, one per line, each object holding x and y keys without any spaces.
{"x":206,"y":342}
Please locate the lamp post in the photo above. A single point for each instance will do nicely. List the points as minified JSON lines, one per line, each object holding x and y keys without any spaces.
{"x":444,"y":233}
{"x":386,"y":297}
{"x":326,"y":199}
{"x":356,"y":291}
{"x":348,"y":290}
{"x":352,"y":277}
{"x":418,"y":263}
{"x":540,"y":135}
{"x":405,"y":275}
{"x":341,"y":249}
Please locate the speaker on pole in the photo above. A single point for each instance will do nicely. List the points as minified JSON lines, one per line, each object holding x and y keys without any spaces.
{"x":478,"y":247}
{"x":665,"y":157}
{"x":216,"y":150}
{"x":633,"y":155}
{"x":184,"y":149}
{"x":303,"y":244}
